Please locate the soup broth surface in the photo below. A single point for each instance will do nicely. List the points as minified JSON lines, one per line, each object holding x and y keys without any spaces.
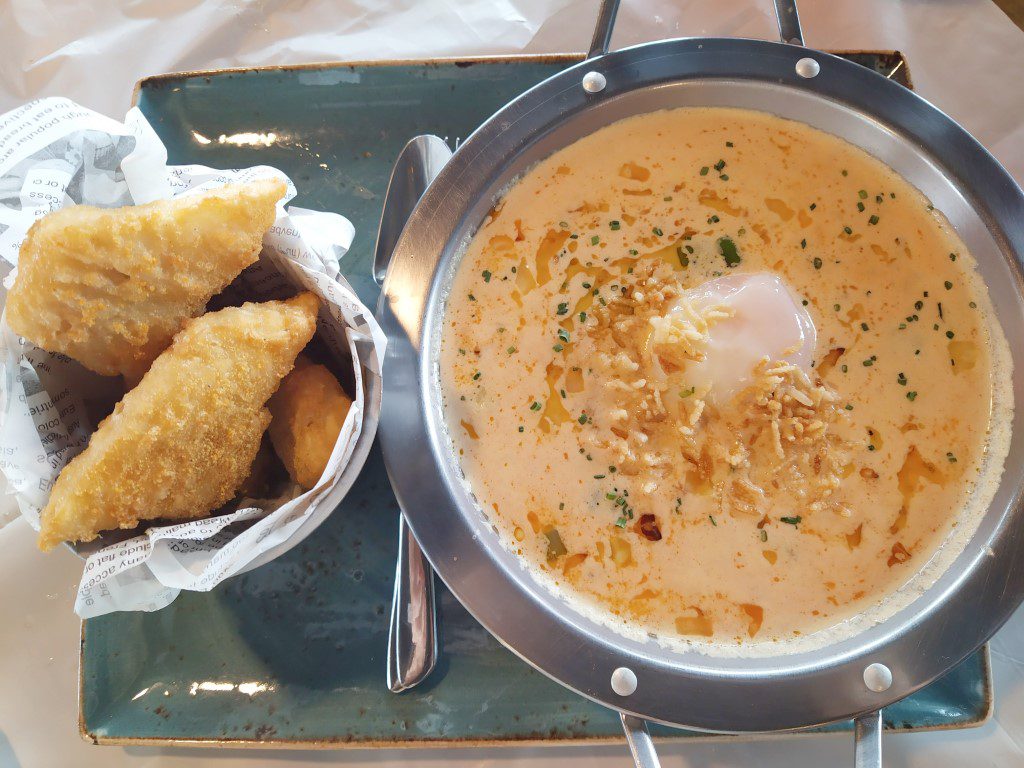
{"x":721,"y":376}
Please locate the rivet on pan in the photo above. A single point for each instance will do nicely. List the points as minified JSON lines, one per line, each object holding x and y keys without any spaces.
{"x":594,"y":82}
{"x":877,"y":677}
{"x":808,"y":68}
{"x":624,"y":681}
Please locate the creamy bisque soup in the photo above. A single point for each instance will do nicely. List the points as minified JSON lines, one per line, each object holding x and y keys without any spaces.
{"x":722,"y":376}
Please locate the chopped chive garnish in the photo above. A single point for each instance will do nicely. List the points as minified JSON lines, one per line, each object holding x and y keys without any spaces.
{"x":563,"y":308}
{"x":595,"y":240}
{"x":536,"y":406}
{"x":911,"y":396}
{"x":948,"y":285}
{"x":704,"y":171}
{"x":847,"y":230}
{"x":728,"y":250}
{"x":817,"y":263}
{"x":863,"y":194}
{"x":657,"y":231}
{"x":614,"y":225}
{"x":795,"y":520}
{"x":873,"y":219}
{"x":487,"y":275}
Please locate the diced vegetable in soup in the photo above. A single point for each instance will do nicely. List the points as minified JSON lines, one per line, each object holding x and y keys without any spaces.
{"x":722,"y":376}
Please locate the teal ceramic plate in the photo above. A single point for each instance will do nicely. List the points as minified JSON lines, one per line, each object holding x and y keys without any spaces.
{"x":294,"y":652}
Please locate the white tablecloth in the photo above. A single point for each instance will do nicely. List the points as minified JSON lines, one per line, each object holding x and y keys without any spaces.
{"x":965,"y":56}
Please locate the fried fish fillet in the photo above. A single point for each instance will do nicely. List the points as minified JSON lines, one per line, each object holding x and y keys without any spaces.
{"x":308,"y":412}
{"x":110,"y":287}
{"x":180,"y":443}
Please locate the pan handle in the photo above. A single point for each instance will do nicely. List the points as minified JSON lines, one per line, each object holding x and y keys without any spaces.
{"x":867,"y":741}
{"x":641,"y":745}
{"x":603,"y":29}
{"x":785,"y":11}
{"x":789,"y":22}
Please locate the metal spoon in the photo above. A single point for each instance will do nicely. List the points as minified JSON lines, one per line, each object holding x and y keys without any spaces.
{"x":412,"y":637}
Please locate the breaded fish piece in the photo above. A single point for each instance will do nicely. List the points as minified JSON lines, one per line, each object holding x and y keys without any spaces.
{"x":308,"y":412}
{"x":180,"y":443}
{"x":110,"y":287}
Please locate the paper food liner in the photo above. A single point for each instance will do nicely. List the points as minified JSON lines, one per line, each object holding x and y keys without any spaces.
{"x":54,"y":153}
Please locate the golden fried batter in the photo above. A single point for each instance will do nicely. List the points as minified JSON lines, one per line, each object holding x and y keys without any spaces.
{"x":308,"y":412}
{"x":111,"y":287}
{"x":181,"y":442}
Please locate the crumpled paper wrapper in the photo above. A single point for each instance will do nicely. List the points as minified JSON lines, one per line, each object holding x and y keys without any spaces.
{"x":53,"y":153}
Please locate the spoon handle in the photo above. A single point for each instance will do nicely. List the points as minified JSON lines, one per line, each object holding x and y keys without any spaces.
{"x":412,"y":639}
{"x":412,"y":636}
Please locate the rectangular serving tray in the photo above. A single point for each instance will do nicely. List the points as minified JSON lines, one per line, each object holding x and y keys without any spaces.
{"x":293,"y":653}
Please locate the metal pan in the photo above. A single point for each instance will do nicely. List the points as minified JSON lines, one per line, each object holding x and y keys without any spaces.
{"x":847,"y":679}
